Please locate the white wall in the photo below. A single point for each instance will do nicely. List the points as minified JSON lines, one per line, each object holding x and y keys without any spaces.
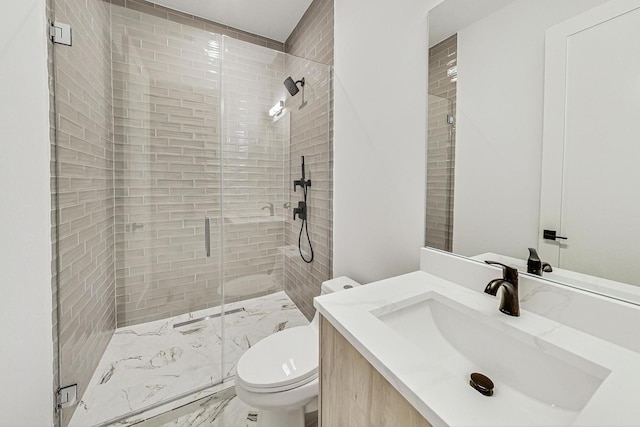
{"x":26,"y":372}
{"x":499,"y":126}
{"x":380,"y":127}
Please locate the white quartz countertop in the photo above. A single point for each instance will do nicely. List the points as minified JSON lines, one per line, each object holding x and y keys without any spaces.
{"x":444,"y":397}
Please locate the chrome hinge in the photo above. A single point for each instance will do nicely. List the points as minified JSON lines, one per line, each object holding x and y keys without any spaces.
{"x":450,"y":119}
{"x":67,"y":396}
{"x":60,"y":33}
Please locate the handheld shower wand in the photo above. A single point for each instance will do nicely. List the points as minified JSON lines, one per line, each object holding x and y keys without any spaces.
{"x":301,"y":212}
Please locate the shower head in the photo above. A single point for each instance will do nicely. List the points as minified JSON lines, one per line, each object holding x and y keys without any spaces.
{"x":292,"y":86}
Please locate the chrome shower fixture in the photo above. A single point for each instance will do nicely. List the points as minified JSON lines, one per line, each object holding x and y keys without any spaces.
{"x":292,"y":86}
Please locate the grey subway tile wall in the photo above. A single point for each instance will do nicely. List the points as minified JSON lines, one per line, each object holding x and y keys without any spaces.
{"x":255,"y":149}
{"x":313,"y":36}
{"x":168,"y":169}
{"x":312,"y":39}
{"x":166,"y":78}
{"x":441,"y":144}
{"x":85,"y":192}
{"x":310,"y":121}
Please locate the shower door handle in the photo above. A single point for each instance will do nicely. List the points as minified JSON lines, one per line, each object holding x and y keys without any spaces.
{"x":207,"y":236}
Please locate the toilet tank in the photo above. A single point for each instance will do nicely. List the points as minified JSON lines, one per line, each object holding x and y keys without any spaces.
{"x":330,"y":286}
{"x":338,"y":284}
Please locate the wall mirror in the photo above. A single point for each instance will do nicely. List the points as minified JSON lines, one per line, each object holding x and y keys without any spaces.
{"x":507,"y":77}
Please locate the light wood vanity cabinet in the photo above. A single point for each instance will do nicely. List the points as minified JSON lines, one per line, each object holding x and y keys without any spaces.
{"x":353,"y":393}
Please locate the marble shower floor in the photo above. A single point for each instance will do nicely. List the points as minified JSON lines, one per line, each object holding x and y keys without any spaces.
{"x":222,"y":409}
{"x":150,"y":363}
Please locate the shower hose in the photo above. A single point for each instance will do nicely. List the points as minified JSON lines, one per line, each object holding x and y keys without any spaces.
{"x":305,"y":226}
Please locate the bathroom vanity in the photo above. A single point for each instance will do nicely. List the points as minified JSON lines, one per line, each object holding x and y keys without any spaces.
{"x":356,"y":393}
{"x":401,"y":352}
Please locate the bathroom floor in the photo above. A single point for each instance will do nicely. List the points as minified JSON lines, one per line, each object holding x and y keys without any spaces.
{"x":224,"y":409}
{"x":153,"y":362}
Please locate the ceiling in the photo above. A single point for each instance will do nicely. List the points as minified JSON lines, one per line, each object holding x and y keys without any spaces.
{"x":451,"y":16}
{"x":274,"y":19}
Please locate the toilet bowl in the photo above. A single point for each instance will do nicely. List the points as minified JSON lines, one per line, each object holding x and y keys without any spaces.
{"x":279,"y":374}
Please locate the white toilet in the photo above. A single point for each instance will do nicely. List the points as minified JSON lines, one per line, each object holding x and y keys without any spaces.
{"x":279,"y":375}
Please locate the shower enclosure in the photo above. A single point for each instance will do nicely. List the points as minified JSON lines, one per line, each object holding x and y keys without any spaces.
{"x":172,"y":202}
{"x":441,"y":143}
{"x":440,"y":172}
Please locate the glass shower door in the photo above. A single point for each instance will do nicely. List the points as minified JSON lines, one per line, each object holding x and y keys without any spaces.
{"x":255,"y":148}
{"x":265,"y":133}
{"x":137,"y":171}
{"x":167,"y":182}
{"x":440,"y":173}
{"x":83,"y":202}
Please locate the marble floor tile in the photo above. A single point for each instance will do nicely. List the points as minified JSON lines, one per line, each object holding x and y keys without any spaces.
{"x":223,"y":409}
{"x":153,"y":362}
{"x":168,"y":407}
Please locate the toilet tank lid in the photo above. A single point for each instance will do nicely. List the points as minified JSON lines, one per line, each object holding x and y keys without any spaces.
{"x":338,"y":284}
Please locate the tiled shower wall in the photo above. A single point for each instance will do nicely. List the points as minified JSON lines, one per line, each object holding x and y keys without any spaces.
{"x":167,"y":179}
{"x":86,"y":195}
{"x":309,"y":131}
{"x":313,"y":36}
{"x":256,"y":151}
{"x":312,"y":39}
{"x":441,"y":144}
{"x":168,"y":166}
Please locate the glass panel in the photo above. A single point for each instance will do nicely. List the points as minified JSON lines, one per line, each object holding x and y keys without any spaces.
{"x":254,"y":148}
{"x":440,"y":173}
{"x":85,"y":261}
{"x":167,"y":179}
{"x":138,"y":112}
{"x":261,"y":159}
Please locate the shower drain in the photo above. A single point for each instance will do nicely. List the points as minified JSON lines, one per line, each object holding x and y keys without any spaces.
{"x":213,"y":316}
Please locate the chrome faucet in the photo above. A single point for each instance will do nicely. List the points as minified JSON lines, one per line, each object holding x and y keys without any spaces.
{"x":270,"y":207}
{"x":509,"y":283}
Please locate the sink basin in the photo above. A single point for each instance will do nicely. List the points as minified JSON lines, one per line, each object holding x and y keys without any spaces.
{"x":536,"y":382}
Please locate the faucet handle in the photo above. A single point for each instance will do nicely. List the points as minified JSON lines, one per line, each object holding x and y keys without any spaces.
{"x":510,"y":274}
{"x":534,"y":265}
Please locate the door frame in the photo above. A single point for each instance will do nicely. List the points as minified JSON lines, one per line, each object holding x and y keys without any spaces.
{"x":554,"y":132}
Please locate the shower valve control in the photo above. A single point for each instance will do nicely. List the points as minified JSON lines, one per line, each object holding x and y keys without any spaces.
{"x":301,"y":183}
{"x":300,"y":211}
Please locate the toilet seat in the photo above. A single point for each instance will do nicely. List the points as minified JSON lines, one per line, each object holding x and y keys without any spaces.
{"x":287,"y":360}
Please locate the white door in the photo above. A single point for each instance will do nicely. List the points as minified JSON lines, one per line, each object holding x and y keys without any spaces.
{"x":591,"y":148}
